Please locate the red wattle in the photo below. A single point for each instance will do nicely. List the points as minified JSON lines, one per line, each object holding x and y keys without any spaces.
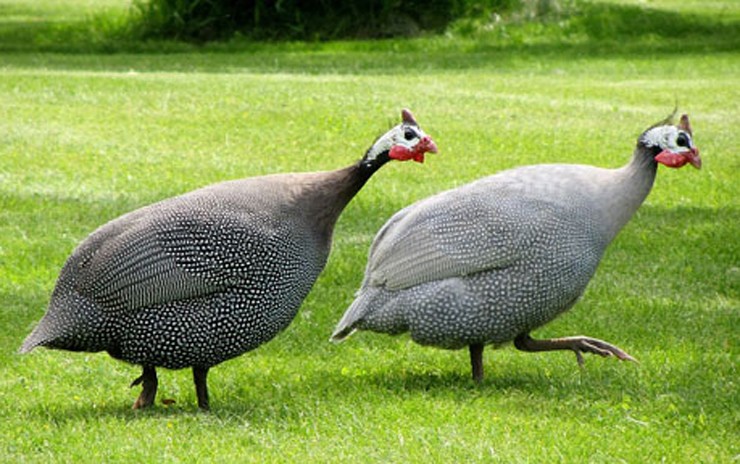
{"x":671,"y":159}
{"x":400,"y":153}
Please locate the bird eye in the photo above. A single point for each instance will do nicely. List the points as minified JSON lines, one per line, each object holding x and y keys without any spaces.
{"x":409,"y":134}
{"x":682,"y":140}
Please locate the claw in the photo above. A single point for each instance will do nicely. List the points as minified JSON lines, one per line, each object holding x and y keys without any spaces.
{"x":579,"y":357}
{"x":600,"y":347}
{"x":576,"y":344}
{"x":137,"y":381}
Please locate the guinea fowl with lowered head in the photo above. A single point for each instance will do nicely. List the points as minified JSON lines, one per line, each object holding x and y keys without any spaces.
{"x":488,"y":262}
{"x":197,"y":279}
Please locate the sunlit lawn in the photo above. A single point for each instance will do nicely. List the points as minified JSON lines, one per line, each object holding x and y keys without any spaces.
{"x":86,"y":135}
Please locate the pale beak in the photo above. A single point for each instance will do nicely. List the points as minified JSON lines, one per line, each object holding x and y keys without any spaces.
{"x":694,"y":158}
{"x":427,"y":145}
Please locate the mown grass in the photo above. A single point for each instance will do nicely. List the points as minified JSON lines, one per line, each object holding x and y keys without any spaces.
{"x":88,"y":132}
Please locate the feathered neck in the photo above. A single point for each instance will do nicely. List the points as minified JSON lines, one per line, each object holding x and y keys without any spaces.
{"x":369,"y":165}
{"x":631,"y":185}
{"x":330,"y":192}
{"x":354,"y":177}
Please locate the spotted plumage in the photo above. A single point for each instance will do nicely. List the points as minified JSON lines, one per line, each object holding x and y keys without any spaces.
{"x":197,"y":279}
{"x":488,"y":262}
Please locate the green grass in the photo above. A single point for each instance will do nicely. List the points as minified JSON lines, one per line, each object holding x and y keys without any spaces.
{"x":89,"y":131}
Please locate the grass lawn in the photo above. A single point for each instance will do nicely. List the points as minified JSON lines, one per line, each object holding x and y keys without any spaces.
{"x":91,"y":128}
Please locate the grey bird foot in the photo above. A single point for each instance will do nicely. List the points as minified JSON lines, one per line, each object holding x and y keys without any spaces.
{"x":577,"y":344}
{"x":148,"y":381}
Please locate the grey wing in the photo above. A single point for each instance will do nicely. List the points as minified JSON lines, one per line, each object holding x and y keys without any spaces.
{"x":160,"y":255}
{"x":457,"y":233}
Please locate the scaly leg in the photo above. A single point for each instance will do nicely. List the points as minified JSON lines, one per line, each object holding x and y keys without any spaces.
{"x":476,"y":361}
{"x":148,"y":379}
{"x":200,"y":375}
{"x":578,"y":345}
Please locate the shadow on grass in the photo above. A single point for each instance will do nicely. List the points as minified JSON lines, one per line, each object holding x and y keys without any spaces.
{"x":286,"y":393}
{"x":270,"y":400}
{"x":589,"y":30}
{"x":267,"y":400}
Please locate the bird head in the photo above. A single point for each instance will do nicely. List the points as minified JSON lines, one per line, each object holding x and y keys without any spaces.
{"x":673,"y":145}
{"x":403,"y":142}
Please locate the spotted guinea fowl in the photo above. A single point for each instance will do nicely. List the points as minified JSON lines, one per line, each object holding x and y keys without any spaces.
{"x":488,"y":262}
{"x":197,"y":279}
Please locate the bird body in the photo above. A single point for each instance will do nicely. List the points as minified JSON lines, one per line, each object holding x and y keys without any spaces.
{"x":447,"y":272}
{"x":488,"y":262}
{"x":153,"y":276}
{"x":197,"y":279}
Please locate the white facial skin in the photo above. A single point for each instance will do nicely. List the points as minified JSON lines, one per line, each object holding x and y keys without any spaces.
{"x":404,"y":135}
{"x":669,"y":138}
{"x":677,"y":147}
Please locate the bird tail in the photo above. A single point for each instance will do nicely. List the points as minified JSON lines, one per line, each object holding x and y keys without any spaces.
{"x":70,"y":323}
{"x":354,"y":314}
{"x":345,"y":328}
{"x":341,"y":333}
{"x":26,"y":347}
{"x":34,"y":339}
{"x":47,"y":333}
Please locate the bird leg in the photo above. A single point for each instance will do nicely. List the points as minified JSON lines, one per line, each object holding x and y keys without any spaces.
{"x":148,"y":379}
{"x":200,"y":375}
{"x":578,"y":345}
{"x":476,"y":361}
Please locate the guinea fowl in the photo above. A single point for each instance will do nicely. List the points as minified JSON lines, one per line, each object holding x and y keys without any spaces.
{"x":488,"y":262}
{"x":200,"y":278}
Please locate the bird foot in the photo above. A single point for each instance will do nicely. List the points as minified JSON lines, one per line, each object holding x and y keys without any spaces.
{"x":577,"y":344}
{"x":143,"y":401}
{"x":595,"y":346}
{"x":148,"y":381}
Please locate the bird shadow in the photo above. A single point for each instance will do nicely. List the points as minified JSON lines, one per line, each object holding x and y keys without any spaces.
{"x":551,"y":380}
{"x":263,"y":399}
